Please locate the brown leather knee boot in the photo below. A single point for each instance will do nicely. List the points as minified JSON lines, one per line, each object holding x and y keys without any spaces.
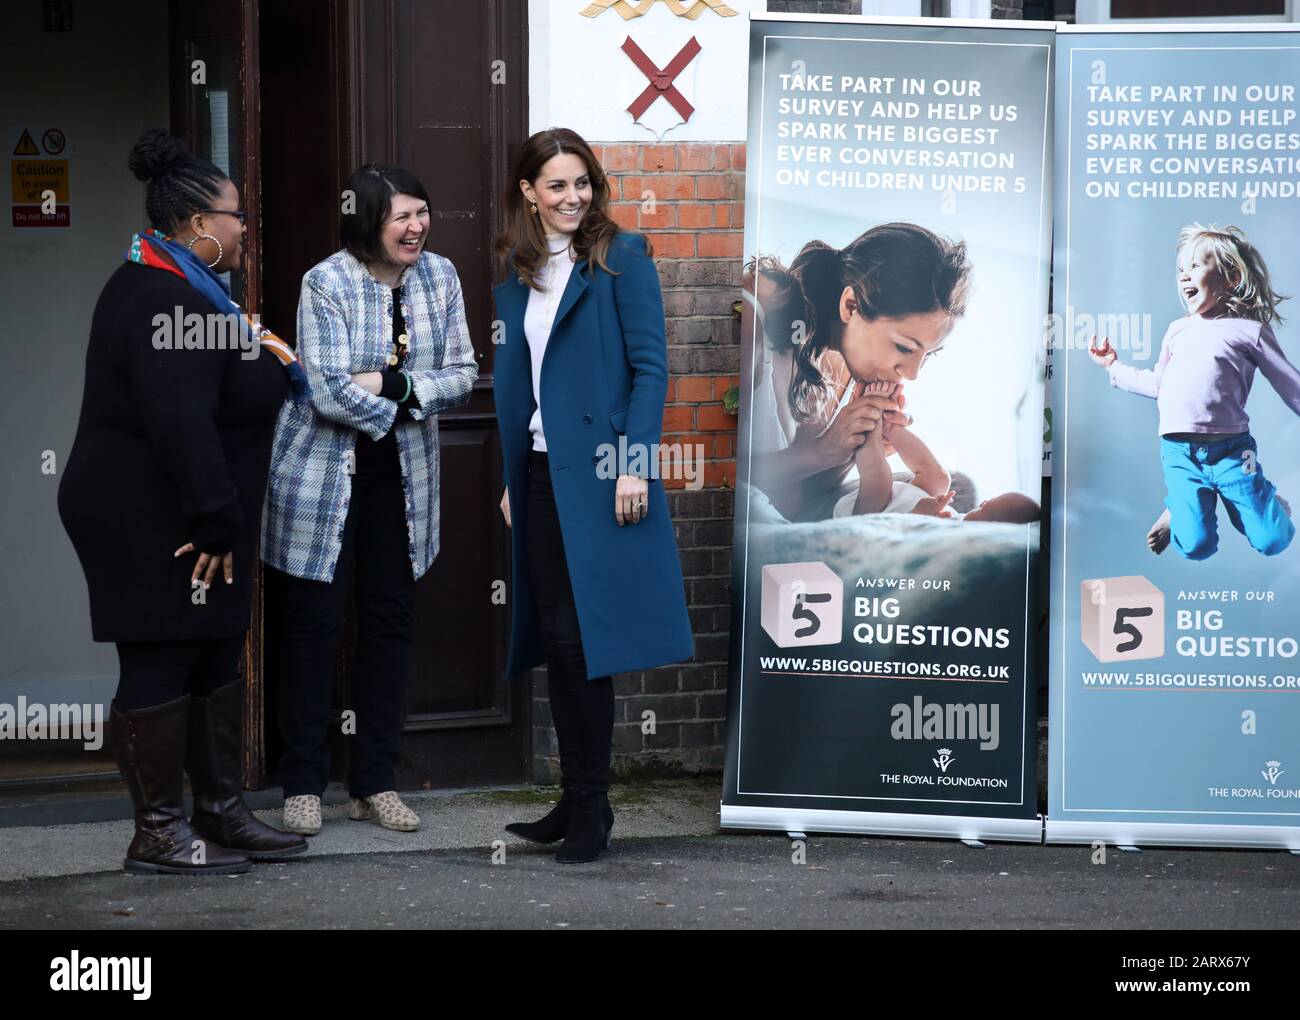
{"x":150,"y":746}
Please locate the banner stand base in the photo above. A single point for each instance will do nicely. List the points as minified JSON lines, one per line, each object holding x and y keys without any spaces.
{"x":881,"y":823}
{"x":1138,"y":834}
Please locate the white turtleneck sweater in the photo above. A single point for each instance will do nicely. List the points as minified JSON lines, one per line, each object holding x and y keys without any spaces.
{"x":539,"y":316}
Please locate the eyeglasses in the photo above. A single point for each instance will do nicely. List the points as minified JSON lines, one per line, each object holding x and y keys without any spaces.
{"x":237,"y":213}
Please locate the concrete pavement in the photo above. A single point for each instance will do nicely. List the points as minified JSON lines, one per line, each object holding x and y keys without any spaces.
{"x":670,"y":868}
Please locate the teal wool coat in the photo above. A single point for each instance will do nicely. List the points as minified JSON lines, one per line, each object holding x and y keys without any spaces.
{"x":604,"y":376}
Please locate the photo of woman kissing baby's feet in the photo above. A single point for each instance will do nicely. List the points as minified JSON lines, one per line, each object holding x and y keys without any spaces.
{"x":875,"y":480}
{"x":880,"y":387}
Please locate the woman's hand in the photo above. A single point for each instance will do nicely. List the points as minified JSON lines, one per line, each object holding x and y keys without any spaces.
{"x":849,"y":429}
{"x":207,"y":565}
{"x":371,"y":382}
{"x":505,"y":506}
{"x":630,"y":504}
{"x":1102,"y":353}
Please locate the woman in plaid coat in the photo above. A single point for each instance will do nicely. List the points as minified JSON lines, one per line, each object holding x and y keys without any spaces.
{"x":354,"y":485}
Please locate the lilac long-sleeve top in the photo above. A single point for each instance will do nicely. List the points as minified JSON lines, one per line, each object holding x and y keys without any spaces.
{"x":1204,"y":374}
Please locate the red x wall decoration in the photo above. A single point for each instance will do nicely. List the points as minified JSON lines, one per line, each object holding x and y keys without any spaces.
{"x":661,"y":78}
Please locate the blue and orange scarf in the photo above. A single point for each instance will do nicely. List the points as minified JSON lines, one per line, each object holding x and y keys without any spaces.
{"x":156,"y":250}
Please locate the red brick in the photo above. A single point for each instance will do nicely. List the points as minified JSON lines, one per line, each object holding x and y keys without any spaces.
{"x":724,"y":447}
{"x":696,"y":157}
{"x":713,"y":418}
{"x":665,"y":187}
{"x":658,"y":157}
{"x":722,"y":157}
{"x":718,"y":186}
{"x":695,"y":215}
{"x":722,"y":383}
{"x":674,"y":246}
{"x":738,"y":157}
{"x":716,"y":472}
{"x":672,"y":390}
{"x":619,"y":157}
{"x":730,"y":214}
{"x":664,"y":216}
{"x":721,"y":245}
{"x":624,"y":214}
{"x":678,"y":417}
{"x":688,"y":446}
{"x":697,"y":388}
{"x":691,"y":439}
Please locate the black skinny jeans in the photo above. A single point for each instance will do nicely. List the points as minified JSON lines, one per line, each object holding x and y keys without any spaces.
{"x":375,"y":548}
{"x":581,"y":709}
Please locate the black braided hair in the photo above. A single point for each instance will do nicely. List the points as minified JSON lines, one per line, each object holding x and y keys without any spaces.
{"x":180,"y":184}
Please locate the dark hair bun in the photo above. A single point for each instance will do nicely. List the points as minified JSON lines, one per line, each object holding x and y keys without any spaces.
{"x":156,"y":153}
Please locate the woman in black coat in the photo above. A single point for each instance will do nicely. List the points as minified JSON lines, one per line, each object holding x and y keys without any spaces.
{"x":162,"y":497}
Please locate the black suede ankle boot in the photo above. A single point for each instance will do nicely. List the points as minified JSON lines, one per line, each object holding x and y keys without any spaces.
{"x":591,"y":827}
{"x":549,"y":828}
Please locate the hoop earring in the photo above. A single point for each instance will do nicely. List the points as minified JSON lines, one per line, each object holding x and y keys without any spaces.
{"x":220,"y":250}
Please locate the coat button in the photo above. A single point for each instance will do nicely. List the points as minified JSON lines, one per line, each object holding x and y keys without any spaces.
{"x":587,"y":418}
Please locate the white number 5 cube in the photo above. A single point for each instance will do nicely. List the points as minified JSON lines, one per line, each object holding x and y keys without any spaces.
{"x":1122,"y":618}
{"x":803,"y":604}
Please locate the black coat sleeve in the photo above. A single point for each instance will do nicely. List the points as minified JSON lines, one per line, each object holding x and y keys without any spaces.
{"x":176,"y":393}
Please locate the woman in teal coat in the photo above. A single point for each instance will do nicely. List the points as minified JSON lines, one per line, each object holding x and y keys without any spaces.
{"x":596,"y":582}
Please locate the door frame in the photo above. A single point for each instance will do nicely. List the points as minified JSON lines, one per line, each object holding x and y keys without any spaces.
{"x":237,"y":19}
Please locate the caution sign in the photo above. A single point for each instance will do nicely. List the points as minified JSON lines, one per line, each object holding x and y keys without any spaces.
{"x":40,"y":191}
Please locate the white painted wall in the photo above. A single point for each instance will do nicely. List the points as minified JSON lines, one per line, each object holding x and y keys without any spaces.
{"x":579,"y":78}
{"x":102,"y":84}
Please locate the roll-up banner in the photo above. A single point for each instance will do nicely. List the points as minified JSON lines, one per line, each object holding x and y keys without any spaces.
{"x":897,"y":219}
{"x":1175,"y":678}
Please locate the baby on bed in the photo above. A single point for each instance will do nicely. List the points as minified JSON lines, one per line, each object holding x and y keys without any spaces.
{"x":928,"y":491}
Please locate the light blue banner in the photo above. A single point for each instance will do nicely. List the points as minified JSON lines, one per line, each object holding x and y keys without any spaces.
{"x":1175,"y":675}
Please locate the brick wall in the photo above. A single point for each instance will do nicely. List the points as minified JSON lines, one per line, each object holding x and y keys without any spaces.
{"x":689,"y":200}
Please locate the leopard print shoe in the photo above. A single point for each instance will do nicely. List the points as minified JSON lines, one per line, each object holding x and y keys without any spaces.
{"x":385,"y":808}
{"x":302,"y":814}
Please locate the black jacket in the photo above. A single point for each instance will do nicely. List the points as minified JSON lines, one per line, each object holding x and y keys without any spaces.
{"x":173,"y":446}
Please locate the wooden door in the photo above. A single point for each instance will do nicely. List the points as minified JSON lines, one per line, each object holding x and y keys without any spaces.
{"x":444,"y":93}
{"x":351,"y":82}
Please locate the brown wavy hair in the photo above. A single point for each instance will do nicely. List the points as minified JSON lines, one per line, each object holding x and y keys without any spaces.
{"x":895,"y":270}
{"x":522,"y":244}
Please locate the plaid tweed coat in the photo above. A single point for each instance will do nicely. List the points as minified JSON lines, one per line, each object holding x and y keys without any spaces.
{"x":345,"y":325}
